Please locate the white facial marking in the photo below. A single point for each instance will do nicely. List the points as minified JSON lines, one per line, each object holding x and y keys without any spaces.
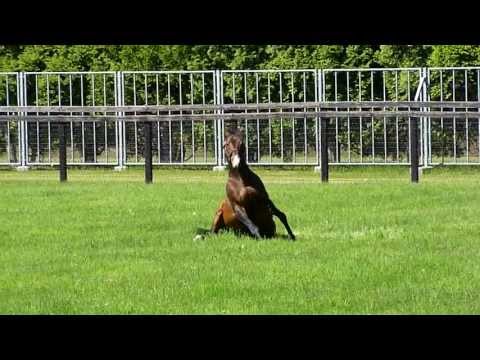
{"x":235,"y":160}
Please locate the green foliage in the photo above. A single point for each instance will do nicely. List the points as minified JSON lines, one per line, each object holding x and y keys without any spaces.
{"x":455,"y":55}
{"x":209,"y":57}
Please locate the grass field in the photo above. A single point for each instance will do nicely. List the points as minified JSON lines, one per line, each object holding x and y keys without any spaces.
{"x":369,"y":242}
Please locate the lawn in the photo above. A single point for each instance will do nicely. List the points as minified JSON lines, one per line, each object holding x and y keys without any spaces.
{"x":369,"y":242}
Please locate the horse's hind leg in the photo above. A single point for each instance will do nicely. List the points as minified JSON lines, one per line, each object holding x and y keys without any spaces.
{"x":245,"y":220}
{"x":218,"y":222}
{"x":282,"y":217}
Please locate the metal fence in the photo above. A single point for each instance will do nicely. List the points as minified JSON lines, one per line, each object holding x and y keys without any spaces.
{"x":88,"y":143}
{"x":454,"y":140}
{"x":174,"y":142}
{"x":288,"y":140}
{"x":10,"y":130}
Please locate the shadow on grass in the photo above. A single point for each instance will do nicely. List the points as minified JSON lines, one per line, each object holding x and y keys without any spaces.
{"x":203,"y":233}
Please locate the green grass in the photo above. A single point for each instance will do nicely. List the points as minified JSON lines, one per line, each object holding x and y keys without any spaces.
{"x":368,"y":242}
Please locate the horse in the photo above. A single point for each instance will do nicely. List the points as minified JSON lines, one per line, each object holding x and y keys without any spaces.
{"x":247,"y":207}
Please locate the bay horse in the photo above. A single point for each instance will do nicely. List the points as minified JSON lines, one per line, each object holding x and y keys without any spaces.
{"x":247,"y":208}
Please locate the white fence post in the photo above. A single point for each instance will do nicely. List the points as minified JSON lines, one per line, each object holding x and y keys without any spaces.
{"x":21,"y":100}
{"x":120,"y":125}
{"x":319,"y":96}
{"x":425,"y":121}
{"x":218,"y":89}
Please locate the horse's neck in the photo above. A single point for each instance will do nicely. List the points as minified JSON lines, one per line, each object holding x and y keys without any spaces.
{"x":242,"y":172}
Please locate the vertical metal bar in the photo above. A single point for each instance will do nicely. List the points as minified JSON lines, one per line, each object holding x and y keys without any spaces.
{"x":478,"y":120}
{"x":397,"y":140}
{"x":117,"y":84}
{"x":414,"y":150}
{"x":145,"y":90}
{"x":123,"y":123}
{"x":158,"y":122}
{"x":204,"y":123}
{"x":105,"y":124}
{"x":281,"y":119}
{"x":169,"y":121}
{"x":428,"y":135}
{"x":181,"y":112}
{"x":336,"y":118}
{"x":94,"y":123}
{"x":120,"y":140}
{"x":409,"y":122}
{"x":216,"y":140}
{"x":293,"y":118}
{"x":38,"y":123}
{"x":8,"y":121}
{"x":454,"y":121}
{"x":270,"y":121}
{"x":83,"y":123}
{"x":24,"y":139}
{"x":441,"y":119}
{"x":360,"y":120}
{"x":324,"y":149}
{"x":424,"y":119}
{"x":148,"y":152}
{"x":305,"y":119}
{"x":233,"y":88}
{"x":258,"y":121}
{"x":348,"y":120}
{"x":62,"y":153}
{"x":71,"y":113}
{"x":135,"y":113}
{"x":48,"y":124}
{"x":318,"y":78}
{"x":466,"y":119}
{"x":384,"y":119}
{"x":373,"y":119}
{"x":59,"y":91}
{"x":219,"y":124}
{"x":246,"y":120}
{"x":22,"y":134}
{"x":193,"y":126}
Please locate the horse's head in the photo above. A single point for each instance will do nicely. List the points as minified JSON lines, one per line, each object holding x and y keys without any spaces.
{"x":234,"y":147}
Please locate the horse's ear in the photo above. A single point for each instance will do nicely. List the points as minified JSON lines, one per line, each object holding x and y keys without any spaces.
{"x":233,"y":131}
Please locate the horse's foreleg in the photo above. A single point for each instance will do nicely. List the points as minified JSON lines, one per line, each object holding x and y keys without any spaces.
{"x":244,"y":219}
{"x":282,"y":217}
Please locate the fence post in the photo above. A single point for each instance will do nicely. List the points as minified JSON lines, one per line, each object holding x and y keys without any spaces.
{"x":318,"y":98}
{"x":324,"y":148}
{"x":21,"y":100}
{"x":414,"y":149}
{"x":218,"y":88}
{"x":120,"y":125}
{"x":148,"y":152}
{"x":425,"y":121}
{"x":62,"y":152}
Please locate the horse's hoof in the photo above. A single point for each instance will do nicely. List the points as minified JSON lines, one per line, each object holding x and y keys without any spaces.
{"x":198,"y":237}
